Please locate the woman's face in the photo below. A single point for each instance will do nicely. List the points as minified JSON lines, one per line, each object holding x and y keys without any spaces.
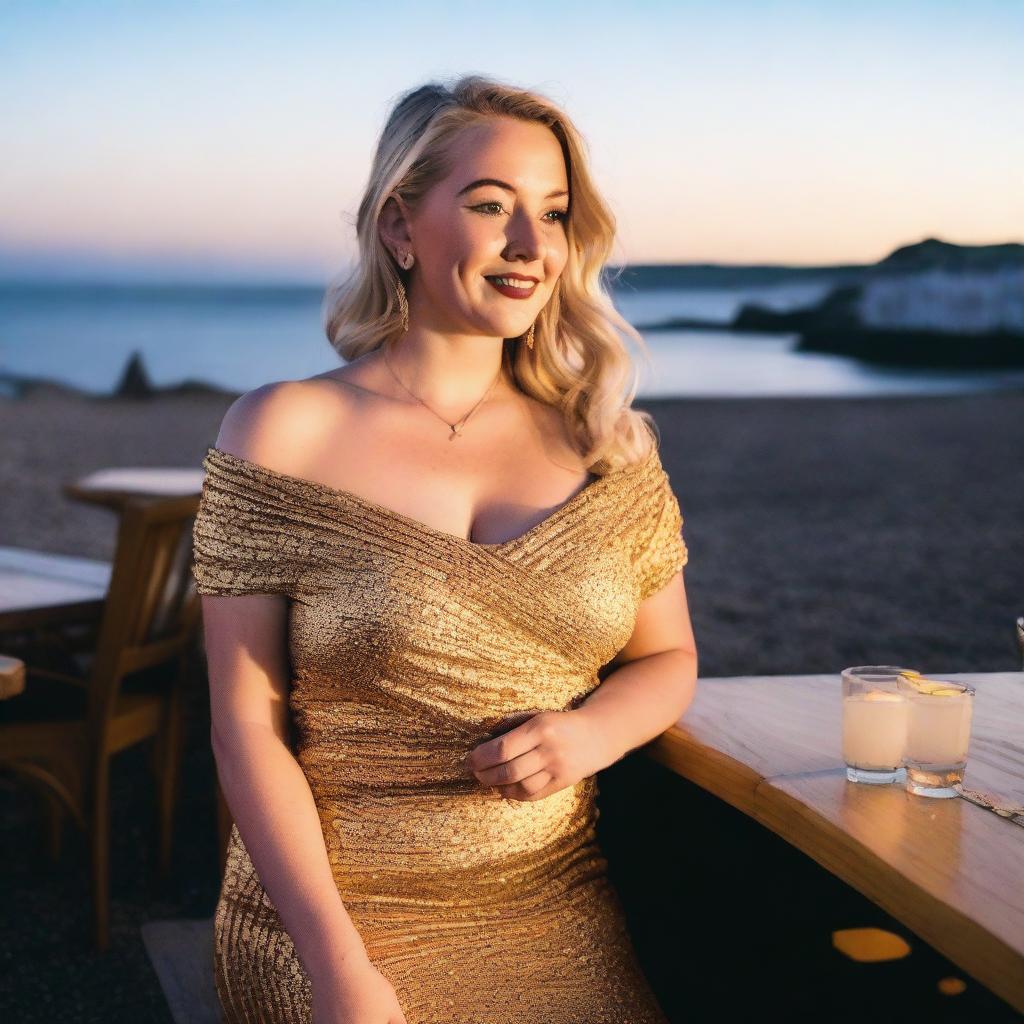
{"x":465,"y":232}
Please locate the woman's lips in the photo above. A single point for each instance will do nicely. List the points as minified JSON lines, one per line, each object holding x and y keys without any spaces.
{"x":512,"y":293}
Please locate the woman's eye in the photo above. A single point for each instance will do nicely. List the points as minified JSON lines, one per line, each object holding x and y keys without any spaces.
{"x":559,"y":214}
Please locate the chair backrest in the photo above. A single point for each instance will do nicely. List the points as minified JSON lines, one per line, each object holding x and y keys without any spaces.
{"x":152,"y":607}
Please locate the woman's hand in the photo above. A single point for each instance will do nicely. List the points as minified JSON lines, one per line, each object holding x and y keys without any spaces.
{"x":355,"y":993}
{"x":549,"y":752}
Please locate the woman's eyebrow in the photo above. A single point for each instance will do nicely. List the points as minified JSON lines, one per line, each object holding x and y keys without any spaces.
{"x":505,"y":185}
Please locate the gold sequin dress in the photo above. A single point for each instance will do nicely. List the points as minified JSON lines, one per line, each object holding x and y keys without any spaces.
{"x":409,"y":647}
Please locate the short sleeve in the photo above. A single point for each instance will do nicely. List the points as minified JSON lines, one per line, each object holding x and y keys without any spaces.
{"x":659,"y":550}
{"x":242,"y":538}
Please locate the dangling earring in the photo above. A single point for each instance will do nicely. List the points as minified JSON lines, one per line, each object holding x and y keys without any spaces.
{"x":529,"y":335}
{"x":403,"y":306}
{"x":405,"y":261}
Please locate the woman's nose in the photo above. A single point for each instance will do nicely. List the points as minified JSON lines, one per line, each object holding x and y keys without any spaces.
{"x":525,"y":237}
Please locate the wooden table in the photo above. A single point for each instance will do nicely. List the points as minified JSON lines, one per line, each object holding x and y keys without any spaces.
{"x":12,"y":676}
{"x":951,"y":871}
{"x":39,"y":588}
{"x":111,"y":487}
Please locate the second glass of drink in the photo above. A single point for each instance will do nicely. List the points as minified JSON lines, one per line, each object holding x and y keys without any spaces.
{"x":938,"y":732}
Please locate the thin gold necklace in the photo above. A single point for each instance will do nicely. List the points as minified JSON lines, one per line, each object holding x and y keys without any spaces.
{"x":456,"y":427}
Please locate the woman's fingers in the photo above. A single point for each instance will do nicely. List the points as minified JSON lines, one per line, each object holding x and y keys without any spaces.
{"x":528,"y":789}
{"x":508,"y":772}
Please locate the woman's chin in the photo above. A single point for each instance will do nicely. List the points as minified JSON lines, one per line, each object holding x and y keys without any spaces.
{"x":503,"y":330}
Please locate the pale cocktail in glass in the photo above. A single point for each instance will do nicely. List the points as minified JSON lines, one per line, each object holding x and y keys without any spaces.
{"x":938,"y":733}
{"x":874,"y":723}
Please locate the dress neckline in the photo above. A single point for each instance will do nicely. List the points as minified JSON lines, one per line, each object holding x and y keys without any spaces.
{"x":579,"y":499}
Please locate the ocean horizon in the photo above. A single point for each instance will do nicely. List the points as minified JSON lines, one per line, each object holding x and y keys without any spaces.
{"x":237,"y":337}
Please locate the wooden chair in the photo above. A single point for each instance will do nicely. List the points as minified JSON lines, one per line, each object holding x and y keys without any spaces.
{"x":61,"y":733}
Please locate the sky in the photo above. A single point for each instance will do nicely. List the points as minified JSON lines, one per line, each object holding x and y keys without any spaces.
{"x":146,"y":140}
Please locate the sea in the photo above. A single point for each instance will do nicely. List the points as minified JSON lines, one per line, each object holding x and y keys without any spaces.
{"x":240,"y":336}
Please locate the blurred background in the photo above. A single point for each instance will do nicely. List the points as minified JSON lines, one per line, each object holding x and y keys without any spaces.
{"x":821,"y":218}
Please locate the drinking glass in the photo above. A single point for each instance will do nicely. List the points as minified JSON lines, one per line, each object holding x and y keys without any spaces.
{"x":874,"y":723}
{"x":938,"y":732}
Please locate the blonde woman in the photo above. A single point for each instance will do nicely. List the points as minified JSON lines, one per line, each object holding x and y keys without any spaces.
{"x":414,"y":567}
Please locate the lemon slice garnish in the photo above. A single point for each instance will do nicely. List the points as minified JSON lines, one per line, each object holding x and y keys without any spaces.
{"x":932,"y":687}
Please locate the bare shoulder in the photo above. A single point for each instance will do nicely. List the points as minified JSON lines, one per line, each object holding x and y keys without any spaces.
{"x":276,"y":424}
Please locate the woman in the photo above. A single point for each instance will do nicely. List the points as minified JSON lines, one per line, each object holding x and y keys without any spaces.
{"x":413,"y":568}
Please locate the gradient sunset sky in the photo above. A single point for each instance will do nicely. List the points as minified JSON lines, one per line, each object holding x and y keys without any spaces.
{"x":233,"y":140}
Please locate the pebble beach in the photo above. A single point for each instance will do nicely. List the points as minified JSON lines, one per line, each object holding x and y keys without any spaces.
{"x":823,"y":532}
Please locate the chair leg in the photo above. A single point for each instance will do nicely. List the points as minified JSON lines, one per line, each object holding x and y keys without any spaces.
{"x":99,"y":840}
{"x":169,"y":746}
{"x":53,"y":815}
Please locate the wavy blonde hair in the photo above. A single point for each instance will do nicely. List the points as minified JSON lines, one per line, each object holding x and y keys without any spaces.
{"x":579,"y":363}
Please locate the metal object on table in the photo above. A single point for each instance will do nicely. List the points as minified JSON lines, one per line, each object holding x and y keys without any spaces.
{"x":1014,"y":812}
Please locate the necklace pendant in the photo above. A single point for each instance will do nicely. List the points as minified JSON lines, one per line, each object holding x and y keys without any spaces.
{"x":456,"y":432}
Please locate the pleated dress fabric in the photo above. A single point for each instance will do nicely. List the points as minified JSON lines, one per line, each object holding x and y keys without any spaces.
{"x":410,"y":646}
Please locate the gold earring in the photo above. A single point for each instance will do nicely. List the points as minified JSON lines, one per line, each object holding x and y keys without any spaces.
{"x":403,"y":306}
{"x":405,"y":261}
{"x":529,"y":335}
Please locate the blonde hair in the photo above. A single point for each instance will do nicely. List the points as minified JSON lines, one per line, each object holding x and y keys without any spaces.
{"x":578,"y":364}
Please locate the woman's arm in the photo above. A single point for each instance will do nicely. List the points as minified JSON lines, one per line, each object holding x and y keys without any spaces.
{"x":263,"y":784}
{"x":652,"y":681}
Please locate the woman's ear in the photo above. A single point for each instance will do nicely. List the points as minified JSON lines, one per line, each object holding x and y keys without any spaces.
{"x":393,"y":226}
